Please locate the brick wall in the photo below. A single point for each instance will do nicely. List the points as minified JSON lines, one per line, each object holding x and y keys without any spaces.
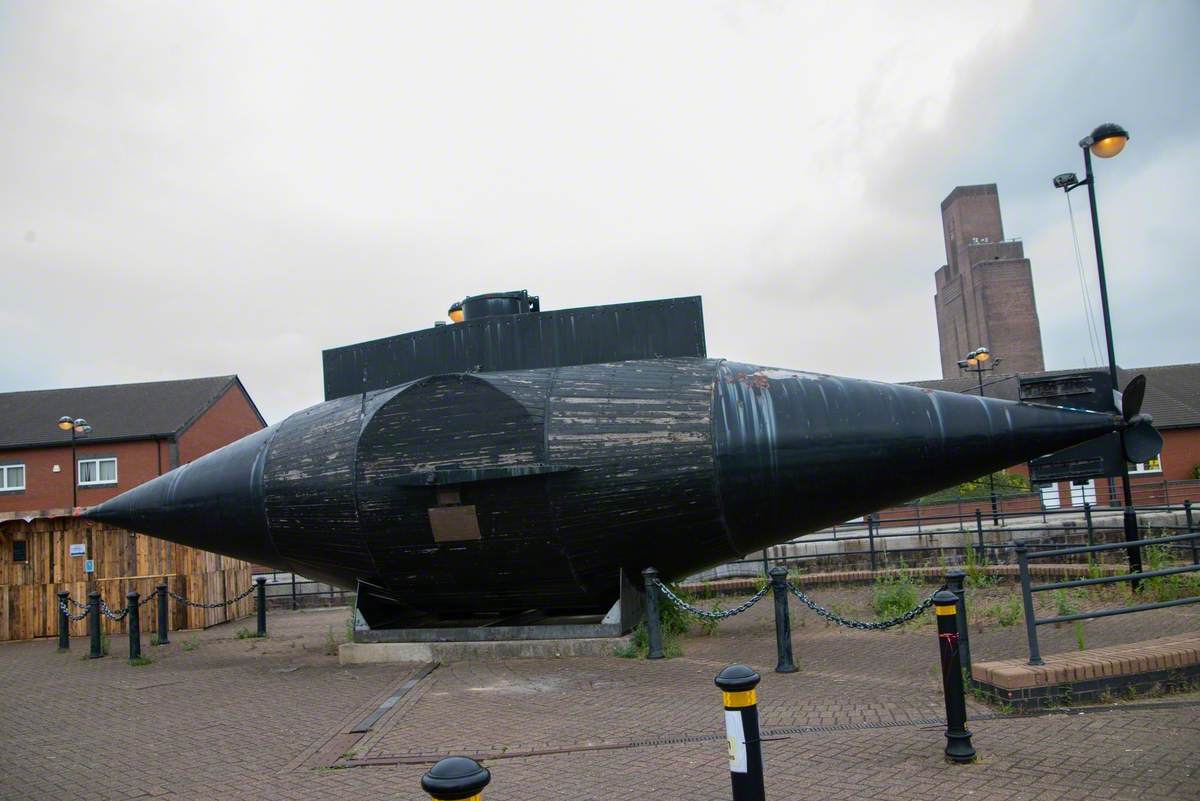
{"x":228,"y":420}
{"x":137,"y":462}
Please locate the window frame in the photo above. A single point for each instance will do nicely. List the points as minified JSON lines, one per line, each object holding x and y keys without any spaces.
{"x":4,"y":468}
{"x":96,"y":460}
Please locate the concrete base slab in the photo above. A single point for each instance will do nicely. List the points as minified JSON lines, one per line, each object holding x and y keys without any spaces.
{"x":362,"y":653}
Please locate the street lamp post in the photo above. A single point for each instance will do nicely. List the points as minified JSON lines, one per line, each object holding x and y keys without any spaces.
{"x":976,"y":362}
{"x":1106,"y":141}
{"x":78,"y":427}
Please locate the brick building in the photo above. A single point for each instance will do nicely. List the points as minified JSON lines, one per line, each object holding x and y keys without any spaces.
{"x":1172,"y":399}
{"x":985,"y":289}
{"x":139,"y":431}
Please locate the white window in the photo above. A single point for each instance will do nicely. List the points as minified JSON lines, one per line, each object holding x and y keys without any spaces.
{"x":1153,"y":465}
{"x":12,"y":477}
{"x":97,"y":471}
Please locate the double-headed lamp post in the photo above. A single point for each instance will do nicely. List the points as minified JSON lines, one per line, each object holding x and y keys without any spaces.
{"x":980,"y":361}
{"x":1104,"y":142}
{"x":78,"y":427}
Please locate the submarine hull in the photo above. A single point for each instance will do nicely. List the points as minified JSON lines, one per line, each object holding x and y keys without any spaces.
{"x":534,"y":489}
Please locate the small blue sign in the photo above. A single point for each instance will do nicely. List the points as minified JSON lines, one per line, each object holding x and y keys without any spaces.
{"x":89,"y":566}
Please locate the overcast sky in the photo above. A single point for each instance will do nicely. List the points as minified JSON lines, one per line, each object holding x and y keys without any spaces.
{"x":206,"y":188}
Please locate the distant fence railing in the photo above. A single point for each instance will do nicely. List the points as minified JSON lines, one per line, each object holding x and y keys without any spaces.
{"x":290,"y":591}
{"x":975,"y":540}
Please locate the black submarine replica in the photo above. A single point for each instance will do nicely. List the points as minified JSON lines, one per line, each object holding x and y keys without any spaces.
{"x":521,"y":459}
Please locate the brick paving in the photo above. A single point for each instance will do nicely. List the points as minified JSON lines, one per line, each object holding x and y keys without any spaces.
{"x":245,"y":719}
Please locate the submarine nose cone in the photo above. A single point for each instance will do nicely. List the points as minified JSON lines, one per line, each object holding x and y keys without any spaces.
{"x":213,"y":503}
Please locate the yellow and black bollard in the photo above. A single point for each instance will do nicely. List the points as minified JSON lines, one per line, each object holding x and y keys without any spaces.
{"x":737,"y":683}
{"x":456,"y":779}
{"x":958,"y":739}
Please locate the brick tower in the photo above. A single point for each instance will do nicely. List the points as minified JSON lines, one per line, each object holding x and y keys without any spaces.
{"x":985,"y":290}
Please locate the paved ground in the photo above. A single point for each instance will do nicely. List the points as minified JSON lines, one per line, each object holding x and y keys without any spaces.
{"x":219,"y":718}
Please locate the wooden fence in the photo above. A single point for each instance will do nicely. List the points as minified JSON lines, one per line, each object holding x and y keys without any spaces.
{"x":123,"y":562}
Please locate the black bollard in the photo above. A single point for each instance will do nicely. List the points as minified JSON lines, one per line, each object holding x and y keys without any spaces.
{"x":456,"y":779}
{"x":783,"y":622}
{"x":737,"y":683}
{"x":653,"y":624}
{"x":955,"y":582}
{"x":261,"y":603}
{"x":958,"y":739}
{"x":64,"y":622}
{"x":94,"y":625}
{"x":162,"y":614}
{"x":135,"y":625}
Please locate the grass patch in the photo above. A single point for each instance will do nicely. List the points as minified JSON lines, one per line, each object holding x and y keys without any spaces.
{"x":245,"y":634}
{"x":141,"y":661}
{"x":1008,"y":612}
{"x":331,"y":644}
{"x":191,"y":644}
{"x":1167,"y":588}
{"x":894,"y":594}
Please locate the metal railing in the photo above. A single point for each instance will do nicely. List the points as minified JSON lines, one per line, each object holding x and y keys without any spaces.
{"x":288,"y":590}
{"x":874,"y":544}
{"x":960,"y":511}
{"x":1032,"y":621}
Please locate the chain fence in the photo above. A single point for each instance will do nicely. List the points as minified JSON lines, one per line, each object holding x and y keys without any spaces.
{"x":107,"y":611}
{"x":828,"y":614}
{"x":707,"y":613}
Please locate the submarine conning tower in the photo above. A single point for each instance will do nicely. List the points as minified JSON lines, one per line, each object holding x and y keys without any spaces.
{"x":523,"y":461}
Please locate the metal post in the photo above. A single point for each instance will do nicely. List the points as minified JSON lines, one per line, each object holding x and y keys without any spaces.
{"x":1091,"y":529}
{"x":1191,"y":529}
{"x":783,"y":622}
{"x":871,"y":538}
{"x":135,"y":625}
{"x":65,"y":621}
{"x":162,"y":614}
{"x":737,"y":683}
{"x":955,"y":583}
{"x":979,"y":534}
{"x":94,"y":625}
{"x":1135,"y":552}
{"x":1131,"y":535}
{"x":455,"y":778}
{"x":958,"y":738}
{"x":918,"y":516}
{"x":653,"y":623}
{"x":1022,"y":550}
{"x":261,"y":598}
{"x":293,"y":591}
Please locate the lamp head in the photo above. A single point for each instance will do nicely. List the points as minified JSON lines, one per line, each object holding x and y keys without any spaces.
{"x":982,"y":354}
{"x":65,"y":423}
{"x":1066,"y":180}
{"x":456,"y":312}
{"x":1106,"y":140}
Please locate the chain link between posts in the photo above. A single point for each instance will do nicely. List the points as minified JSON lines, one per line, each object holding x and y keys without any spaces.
{"x":110,"y":614}
{"x":85,"y":607}
{"x":217,"y":605}
{"x":865,"y":625}
{"x":710,"y":614}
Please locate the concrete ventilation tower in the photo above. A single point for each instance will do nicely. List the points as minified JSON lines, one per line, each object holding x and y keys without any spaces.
{"x":985,"y":290}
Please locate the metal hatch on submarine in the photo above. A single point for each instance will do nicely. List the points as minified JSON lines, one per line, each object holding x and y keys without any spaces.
{"x":522,"y":459}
